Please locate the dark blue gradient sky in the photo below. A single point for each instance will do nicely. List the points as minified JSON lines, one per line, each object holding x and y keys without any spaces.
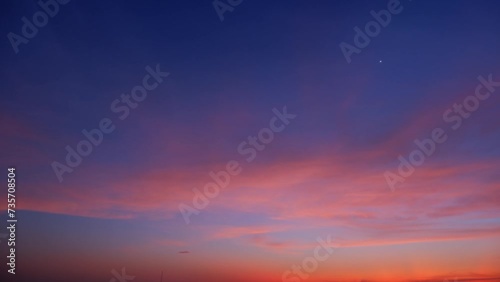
{"x":324,"y":174}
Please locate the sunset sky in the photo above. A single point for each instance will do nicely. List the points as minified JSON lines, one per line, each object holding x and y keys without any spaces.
{"x":322,"y":175}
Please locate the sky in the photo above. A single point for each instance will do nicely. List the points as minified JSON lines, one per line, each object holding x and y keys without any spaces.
{"x":257,"y":147}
